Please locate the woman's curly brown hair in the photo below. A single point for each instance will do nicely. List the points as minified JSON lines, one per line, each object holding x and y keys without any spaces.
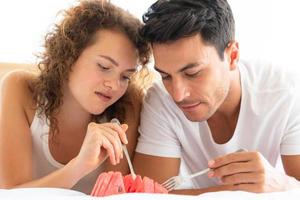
{"x":66,"y":42}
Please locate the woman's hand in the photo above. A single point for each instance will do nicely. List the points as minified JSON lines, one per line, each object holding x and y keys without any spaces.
{"x":101,"y":140}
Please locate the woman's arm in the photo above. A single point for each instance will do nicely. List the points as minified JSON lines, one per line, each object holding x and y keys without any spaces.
{"x":15,"y":137}
{"x":16,"y":142}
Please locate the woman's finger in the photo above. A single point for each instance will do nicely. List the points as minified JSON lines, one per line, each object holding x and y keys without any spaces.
{"x":120,"y":129}
{"x":115,"y":141}
{"x":110,"y":150}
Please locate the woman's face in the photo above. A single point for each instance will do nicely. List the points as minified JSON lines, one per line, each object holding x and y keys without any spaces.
{"x":101,"y":74}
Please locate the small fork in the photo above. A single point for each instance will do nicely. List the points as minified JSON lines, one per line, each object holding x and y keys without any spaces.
{"x":175,"y":181}
{"x":115,"y":120}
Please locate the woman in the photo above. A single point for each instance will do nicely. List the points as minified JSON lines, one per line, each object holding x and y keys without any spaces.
{"x":54,"y":127}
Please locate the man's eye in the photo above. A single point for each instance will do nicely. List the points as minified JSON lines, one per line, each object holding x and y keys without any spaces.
{"x":164,"y":76}
{"x":192,"y":74}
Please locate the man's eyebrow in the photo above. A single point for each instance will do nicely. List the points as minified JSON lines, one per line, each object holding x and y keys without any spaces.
{"x":159,"y":70}
{"x":110,"y":59}
{"x":188,"y":66}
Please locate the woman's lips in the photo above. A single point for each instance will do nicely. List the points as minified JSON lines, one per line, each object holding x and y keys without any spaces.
{"x":103,"y":96}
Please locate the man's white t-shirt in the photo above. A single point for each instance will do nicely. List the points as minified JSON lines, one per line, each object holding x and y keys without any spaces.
{"x":268,"y":122}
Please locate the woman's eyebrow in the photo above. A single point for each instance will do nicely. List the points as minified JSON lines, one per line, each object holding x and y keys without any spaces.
{"x":110,"y":59}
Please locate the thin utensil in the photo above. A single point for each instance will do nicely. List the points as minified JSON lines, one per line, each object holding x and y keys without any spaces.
{"x":115,"y":120}
{"x":173,"y":182}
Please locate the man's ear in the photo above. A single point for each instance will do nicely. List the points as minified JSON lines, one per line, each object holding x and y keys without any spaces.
{"x":232,"y":53}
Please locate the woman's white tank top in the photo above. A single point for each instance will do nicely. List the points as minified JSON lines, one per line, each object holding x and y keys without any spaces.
{"x":43,"y":161}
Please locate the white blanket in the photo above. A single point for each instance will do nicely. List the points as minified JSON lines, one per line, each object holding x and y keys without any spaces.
{"x":58,"y":194}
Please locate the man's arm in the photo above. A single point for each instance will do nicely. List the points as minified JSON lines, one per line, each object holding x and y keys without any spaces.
{"x":262,"y":177}
{"x":250,"y":171}
{"x":291,"y":165}
{"x":155,"y":167}
{"x":162,"y":168}
{"x":236,"y":169}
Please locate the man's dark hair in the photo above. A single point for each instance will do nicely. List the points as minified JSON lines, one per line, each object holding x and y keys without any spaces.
{"x":169,"y":20}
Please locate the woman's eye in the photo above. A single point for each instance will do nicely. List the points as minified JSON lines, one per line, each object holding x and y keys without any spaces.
{"x":127,"y":78}
{"x":103,"y":67}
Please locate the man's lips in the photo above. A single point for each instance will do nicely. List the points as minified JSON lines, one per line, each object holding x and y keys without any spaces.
{"x":189,"y":106}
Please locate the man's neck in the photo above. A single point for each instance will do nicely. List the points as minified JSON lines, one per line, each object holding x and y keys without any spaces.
{"x":231,"y":105}
{"x":223,"y":122}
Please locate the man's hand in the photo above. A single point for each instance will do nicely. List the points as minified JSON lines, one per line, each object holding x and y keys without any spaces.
{"x":249,"y":171}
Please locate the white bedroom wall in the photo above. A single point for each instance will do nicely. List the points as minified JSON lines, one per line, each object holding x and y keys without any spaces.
{"x":264,"y":28}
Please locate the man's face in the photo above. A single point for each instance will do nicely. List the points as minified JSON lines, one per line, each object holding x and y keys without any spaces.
{"x":194,"y":75}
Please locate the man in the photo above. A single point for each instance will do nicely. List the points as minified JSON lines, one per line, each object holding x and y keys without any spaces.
{"x":211,"y":104}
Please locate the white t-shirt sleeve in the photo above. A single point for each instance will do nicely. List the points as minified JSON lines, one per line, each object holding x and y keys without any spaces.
{"x":290,"y":144}
{"x":157,"y":129}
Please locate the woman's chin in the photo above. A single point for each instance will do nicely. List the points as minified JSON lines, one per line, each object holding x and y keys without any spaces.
{"x":97,"y":111}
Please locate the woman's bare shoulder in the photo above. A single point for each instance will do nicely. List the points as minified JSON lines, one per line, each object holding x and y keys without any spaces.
{"x":16,"y":87}
{"x":18,"y":82}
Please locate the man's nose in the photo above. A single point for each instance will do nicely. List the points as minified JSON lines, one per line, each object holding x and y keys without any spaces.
{"x":179,"y":90}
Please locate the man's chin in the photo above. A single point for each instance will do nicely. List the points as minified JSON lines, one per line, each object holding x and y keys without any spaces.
{"x":195,"y":118}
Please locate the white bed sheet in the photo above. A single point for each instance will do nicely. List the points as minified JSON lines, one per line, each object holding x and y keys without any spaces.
{"x":58,"y":194}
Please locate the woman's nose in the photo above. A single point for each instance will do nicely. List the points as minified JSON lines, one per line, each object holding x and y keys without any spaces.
{"x":112,"y":83}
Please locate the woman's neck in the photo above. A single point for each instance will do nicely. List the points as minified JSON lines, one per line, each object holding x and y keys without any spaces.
{"x":71,"y":113}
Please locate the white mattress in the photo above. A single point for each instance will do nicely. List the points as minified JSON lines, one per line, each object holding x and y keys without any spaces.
{"x":57,"y":194}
